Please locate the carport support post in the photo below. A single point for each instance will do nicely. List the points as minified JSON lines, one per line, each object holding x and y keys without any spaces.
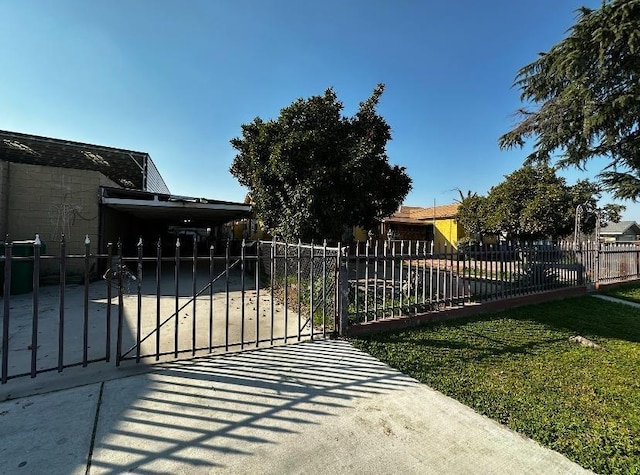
{"x":343,"y":289}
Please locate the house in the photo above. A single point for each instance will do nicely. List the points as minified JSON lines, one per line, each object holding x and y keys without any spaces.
{"x":623,"y":231}
{"x":435,"y":223}
{"x":52,"y":187}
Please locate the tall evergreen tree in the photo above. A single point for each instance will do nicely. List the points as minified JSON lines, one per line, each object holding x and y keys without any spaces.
{"x":585,"y":97}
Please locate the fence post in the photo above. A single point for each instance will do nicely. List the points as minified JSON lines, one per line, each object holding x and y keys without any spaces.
{"x":36,"y":294}
{"x":343,"y":289}
{"x":597,"y":263}
{"x":7,"y":309}
{"x":85,"y":319}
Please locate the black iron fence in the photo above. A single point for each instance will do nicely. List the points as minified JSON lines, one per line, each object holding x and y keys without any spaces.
{"x":165,"y":302}
{"x":159,"y":305}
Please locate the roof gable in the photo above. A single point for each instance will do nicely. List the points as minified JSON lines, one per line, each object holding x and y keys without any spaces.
{"x":622,"y":227}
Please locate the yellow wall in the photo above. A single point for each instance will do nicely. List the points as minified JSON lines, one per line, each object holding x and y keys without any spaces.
{"x":447,"y":231}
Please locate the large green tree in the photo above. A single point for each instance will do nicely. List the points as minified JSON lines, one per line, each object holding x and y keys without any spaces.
{"x":531,"y":203}
{"x":312,"y":173}
{"x":584,"y":97}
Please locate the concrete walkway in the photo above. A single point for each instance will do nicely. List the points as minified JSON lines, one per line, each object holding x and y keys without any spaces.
{"x":616,"y":300}
{"x":317,"y":407}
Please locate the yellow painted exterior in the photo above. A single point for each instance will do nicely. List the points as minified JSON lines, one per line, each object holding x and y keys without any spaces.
{"x":447,"y":233}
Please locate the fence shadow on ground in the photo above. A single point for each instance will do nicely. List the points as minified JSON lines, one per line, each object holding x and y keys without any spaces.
{"x":218,"y":412}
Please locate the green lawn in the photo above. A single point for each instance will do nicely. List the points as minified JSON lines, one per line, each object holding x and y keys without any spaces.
{"x":630,"y":291}
{"x":519,"y":368}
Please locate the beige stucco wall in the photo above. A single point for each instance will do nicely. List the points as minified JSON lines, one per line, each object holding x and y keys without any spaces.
{"x":51,"y":201}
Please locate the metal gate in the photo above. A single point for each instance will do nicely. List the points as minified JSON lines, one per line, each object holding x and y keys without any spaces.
{"x":166,"y":302}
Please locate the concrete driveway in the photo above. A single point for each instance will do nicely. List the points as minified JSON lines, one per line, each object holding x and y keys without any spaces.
{"x":318,"y":407}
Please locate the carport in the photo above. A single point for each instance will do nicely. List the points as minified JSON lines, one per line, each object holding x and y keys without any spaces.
{"x":129,"y":215}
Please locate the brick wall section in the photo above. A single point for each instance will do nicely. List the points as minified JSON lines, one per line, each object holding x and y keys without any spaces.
{"x":462,"y":312}
{"x":50,"y":201}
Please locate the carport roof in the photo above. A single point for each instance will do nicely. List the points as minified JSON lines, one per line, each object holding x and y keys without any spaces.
{"x":172,"y":208}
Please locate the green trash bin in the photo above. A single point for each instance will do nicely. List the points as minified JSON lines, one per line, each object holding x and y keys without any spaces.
{"x":21,"y":270}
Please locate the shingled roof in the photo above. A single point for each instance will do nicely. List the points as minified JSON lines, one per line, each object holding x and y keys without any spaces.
{"x":420,"y":215}
{"x":622,"y":227}
{"x":127,"y":168}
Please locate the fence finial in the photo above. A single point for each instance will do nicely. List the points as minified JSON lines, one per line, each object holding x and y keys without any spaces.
{"x":37,"y":241}
{"x":86,"y":239}
{"x":140,"y":242}
{"x":177,"y":242}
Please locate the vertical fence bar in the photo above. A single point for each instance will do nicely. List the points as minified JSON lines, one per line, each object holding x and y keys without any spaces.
{"x":299,"y":287}
{"x":416,"y":277}
{"x":487,"y":272}
{"x":477,"y":284}
{"x":409,"y":270}
{"x":401,"y":280}
{"x":376,"y":257}
{"x":438,"y":274}
{"x":158,"y":292}
{"x":176,"y":281}
{"x":512,"y":255}
{"x":242,"y":290}
{"x":424,"y":275}
{"x":393,"y":280}
{"x":120,"y":270}
{"x":194,"y":295}
{"x":62,"y":285}
{"x":357,"y":283}
{"x":501,"y":277}
{"x":212,"y":250}
{"x":366,"y":280}
{"x":286,"y":291}
{"x":7,"y":308}
{"x":85,"y":313}
{"x":451,"y":276}
{"x":139,"y":300}
{"x":343,"y":289}
{"x":272,"y":267}
{"x":311,"y":289}
{"x":467,"y":288}
{"x":456,"y":253}
{"x":35,"y":294}
{"x":412,"y":272}
{"x":226,"y":286}
{"x":109,"y":279}
{"x":337,"y":293}
{"x":324,"y":289}
{"x":257,"y":272}
{"x":384,"y":276}
{"x":431,"y":275}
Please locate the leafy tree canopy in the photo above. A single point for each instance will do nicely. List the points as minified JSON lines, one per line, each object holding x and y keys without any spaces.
{"x":312,"y":173}
{"x":531,"y":203}
{"x":585,"y":97}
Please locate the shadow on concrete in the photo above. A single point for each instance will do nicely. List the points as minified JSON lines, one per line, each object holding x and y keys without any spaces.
{"x":220,"y":413}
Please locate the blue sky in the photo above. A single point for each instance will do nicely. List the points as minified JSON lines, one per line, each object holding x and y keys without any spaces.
{"x":177,"y":79}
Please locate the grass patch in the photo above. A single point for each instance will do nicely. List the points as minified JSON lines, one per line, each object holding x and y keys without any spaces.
{"x":519,"y":368}
{"x":630,"y":291}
